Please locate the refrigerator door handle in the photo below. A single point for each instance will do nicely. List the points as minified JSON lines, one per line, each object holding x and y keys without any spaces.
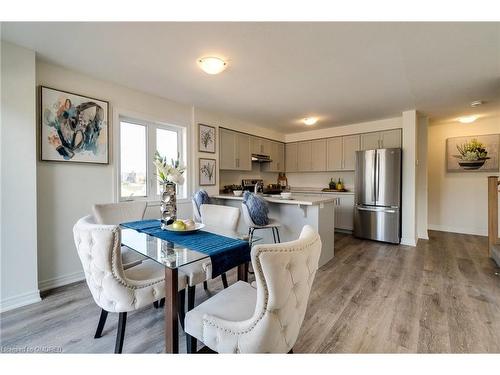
{"x":378,"y":178}
{"x":374,"y":179}
{"x":389,"y":211}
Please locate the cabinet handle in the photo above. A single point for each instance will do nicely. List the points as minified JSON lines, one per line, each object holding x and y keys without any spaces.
{"x":237,"y":163}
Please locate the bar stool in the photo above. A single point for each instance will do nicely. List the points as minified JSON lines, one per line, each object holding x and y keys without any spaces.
{"x":273,"y":225}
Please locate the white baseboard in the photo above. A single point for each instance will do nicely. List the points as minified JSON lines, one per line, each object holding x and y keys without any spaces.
{"x":61,"y":281}
{"x":446,"y":228}
{"x":408,"y":241}
{"x":21,"y":300}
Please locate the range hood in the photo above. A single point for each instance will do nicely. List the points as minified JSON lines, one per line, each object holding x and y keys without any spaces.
{"x":258,"y":158}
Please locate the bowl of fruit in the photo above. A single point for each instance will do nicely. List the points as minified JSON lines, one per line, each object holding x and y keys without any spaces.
{"x":185,"y":226}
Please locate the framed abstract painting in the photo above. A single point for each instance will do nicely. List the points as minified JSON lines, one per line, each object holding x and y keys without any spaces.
{"x":207,"y":172}
{"x":74,"y":128}
{"x":478,"y":153}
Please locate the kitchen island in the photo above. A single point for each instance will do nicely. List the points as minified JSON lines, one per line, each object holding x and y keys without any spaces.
{"x":293,"y":214}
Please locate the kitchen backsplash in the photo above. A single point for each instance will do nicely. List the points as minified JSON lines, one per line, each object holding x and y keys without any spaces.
{"x":235,"y":177}
{"x":299,"y":179}
{"x":320,"y":179}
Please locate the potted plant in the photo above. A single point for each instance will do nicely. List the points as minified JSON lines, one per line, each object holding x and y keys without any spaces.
{"x":472,"y":156}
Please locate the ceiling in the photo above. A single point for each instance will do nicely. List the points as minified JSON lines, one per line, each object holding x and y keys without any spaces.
{"x":280,"y":73}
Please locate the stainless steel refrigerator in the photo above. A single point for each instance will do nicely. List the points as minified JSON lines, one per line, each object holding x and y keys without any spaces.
{"x":377,"y":209}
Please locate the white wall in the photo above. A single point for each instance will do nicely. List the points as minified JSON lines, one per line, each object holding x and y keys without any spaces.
{"x":408,"y":122}
{"x":18,"y":244}
{"x":458,"y":202}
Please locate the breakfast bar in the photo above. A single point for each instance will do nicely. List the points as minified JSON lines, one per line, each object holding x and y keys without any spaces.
{"x":293,"y":214}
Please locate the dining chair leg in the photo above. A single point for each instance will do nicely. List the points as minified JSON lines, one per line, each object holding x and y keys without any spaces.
{"x":291,"y":351}
{"x":191,"y":294}
{"x":100,"y":325}
{"x":278,"y":235}
{"x":274,"y":236}
{"x":120,"y":334}
{"x":224,"y":280}
{"x":162,"y":302}
{"x":182,"y":306}
{"x":191,"y":344}
{"x":156,"y":304}
{"x":205,"y":285}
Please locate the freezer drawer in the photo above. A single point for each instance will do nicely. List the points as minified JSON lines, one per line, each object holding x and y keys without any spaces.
{"x":377,"y":223}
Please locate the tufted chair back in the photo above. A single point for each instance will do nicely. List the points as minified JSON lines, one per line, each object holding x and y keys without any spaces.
{"x":217,"y":216}
{"x":117,"y":213}
{"x":98,"y":247}
{"x":284,"y":275}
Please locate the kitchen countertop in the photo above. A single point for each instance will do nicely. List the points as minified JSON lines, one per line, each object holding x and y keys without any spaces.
{"x":296,"y":199}
{"x":311,"y":190}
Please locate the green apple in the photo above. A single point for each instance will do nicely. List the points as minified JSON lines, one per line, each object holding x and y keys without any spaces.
{"x":179,"y":225}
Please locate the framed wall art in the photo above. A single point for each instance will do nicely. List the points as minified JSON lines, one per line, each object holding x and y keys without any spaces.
{"x":477,"y":153}
{"x":208,"y":172}
{"x":206,"y":138}
{"x":74,"y":128}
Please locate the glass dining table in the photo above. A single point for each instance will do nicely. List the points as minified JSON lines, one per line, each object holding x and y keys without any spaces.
{"x":174,"y":256}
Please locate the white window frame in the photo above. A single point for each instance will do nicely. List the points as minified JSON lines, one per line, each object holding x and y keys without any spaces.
{"x":151,"y":124}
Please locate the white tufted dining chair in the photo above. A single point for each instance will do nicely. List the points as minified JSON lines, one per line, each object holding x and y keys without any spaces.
{"x":215,"y":216}
{"x":113,"y":288}
{"x":117,"y":213}
{"x":242,"y":319}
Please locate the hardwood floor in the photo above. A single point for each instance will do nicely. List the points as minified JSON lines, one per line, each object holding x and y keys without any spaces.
{"x":442,"y":296}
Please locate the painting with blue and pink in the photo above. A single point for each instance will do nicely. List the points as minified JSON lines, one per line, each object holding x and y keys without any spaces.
{"x":74,"y":127}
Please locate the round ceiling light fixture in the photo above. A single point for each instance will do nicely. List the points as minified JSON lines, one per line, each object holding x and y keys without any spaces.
{"x":212,"y":65}
{"x":476,"y":103}
{"x":310,"y":121}
{"x":467,"y":119}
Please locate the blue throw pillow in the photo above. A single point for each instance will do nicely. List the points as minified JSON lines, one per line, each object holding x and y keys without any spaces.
{"x":257,"y":208}
{"x":201,"y":197}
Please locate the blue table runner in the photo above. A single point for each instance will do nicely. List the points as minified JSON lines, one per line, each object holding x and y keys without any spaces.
{"x":225,"y":252}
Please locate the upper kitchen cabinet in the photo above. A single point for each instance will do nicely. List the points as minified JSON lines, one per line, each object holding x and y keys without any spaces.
{"x":291,"y":157}
{"x":384,"y":139}
{"x":243,"y":154}
{"x":334,"y":154}
{"x":234,"y":151}
{"x":260,"y":146}
{"x":277,"y":155}
{"x":227,"y":149}
{"x":391,"y":138}
{"x":304,"y":156}
{"x":350,"y":144}
{"x":318,"y":155}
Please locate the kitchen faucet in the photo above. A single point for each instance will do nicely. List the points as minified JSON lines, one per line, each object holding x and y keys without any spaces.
{"x":256,"y":188}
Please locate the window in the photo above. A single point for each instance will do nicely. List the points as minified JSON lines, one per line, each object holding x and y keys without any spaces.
{"x":138,"y":142}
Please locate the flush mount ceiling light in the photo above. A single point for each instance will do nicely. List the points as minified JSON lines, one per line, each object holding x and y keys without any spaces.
{"x":467,"y":119}
{"x":212,"y":65}
{"x":310,"y":121}
{"x":476,"y":103}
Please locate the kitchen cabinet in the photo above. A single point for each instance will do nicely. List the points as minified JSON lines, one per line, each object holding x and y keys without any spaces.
{"x":350,"y":144}
{"x":277,"y":155}
{"x":291,"y":154}
{"x":318,"y":155}
{"x":243,"y":157}
{"x":255,"y":145}
{"x":304,"y":156}
{"x":260,"y":146}
{"x":234,"y":151}
{"x":344,"y":211}
{"x":391,"y":139}
{"x":384,"y":139}
{"x":334,"y":154}
{"x":227,"y":149}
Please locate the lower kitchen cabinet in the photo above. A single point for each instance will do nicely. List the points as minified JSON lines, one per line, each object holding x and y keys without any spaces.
{"x":344,"y":212}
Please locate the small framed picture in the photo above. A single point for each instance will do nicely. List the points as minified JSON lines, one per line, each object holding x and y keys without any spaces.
{"x":208,"y":172}
{"x":74,"y":128}
{"x":206,"y":138}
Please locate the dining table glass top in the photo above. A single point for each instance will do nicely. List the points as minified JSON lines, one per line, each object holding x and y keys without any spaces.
{"x":168,"y":253}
